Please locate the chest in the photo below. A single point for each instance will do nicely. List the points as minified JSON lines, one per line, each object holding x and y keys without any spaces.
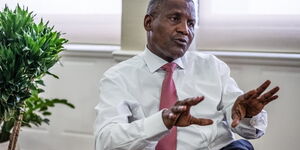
{"x":146,"y":88}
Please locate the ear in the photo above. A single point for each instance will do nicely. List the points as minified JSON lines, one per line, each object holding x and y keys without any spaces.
{"x":148,"y":22}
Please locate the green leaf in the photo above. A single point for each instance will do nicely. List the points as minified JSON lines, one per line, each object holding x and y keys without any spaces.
{"x":47,"y":113}
{"x":40,"y":82}
{"x":55,"y":76}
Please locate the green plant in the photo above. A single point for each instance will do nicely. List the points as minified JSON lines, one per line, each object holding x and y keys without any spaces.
{"x":27,"y":51}
{"x":33,"y":112}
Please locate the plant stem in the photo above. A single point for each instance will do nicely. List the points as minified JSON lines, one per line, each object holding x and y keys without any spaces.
{"x":15,"y":133}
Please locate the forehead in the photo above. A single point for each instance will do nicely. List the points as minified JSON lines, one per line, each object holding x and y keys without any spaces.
{"x":178,"y":6}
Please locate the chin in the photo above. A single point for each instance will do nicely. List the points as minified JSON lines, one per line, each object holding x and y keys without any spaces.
{"x":179,"y":54}
{"x":182,"y":52}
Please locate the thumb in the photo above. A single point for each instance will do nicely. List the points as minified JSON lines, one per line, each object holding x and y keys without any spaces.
{"x":236,"y":119}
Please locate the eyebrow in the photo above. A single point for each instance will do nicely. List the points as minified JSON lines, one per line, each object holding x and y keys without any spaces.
{"x":180,"y":13}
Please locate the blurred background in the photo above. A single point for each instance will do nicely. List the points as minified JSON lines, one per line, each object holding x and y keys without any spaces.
{"x":258,"y":39}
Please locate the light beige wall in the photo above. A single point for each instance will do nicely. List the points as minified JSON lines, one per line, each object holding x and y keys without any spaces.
{"x":133,"y":33}
{"x":70,"y":129}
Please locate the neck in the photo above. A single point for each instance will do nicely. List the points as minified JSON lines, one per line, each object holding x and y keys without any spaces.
{"x":157,"y":53}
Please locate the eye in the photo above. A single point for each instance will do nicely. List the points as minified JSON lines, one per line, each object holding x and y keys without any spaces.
{"x":174,"y":18}
{"x":191,"y":24}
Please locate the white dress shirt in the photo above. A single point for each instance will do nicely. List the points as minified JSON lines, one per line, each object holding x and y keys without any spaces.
{"x":128,"y":116}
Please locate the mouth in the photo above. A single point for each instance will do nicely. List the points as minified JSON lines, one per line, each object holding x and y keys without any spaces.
{"x":181,"y":41}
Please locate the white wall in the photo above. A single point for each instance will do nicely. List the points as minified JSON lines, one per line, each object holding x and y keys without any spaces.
{"x":70,"y":129}
{"x":79,"y":76}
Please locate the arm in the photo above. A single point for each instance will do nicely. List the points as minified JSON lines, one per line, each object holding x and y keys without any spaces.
{"x":251,"y":104}
{"x":249,"y":128}
{"x":120,"y":122}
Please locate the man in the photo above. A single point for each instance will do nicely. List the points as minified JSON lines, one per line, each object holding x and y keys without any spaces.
{"x":152,"y":101}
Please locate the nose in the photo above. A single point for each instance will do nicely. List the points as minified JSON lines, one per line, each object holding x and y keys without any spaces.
{"x":183,"y":28}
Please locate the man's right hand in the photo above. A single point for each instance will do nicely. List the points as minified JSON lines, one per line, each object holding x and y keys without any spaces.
{"x":179,"y":114}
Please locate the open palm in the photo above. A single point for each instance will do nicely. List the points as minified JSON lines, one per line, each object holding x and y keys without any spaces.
{"x":252,"y":102}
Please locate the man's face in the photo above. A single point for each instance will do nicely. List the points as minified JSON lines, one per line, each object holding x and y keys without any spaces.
{"x":171,"y":31}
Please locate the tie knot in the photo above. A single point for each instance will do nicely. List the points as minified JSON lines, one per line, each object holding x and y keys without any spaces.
{"x":169,"y":67}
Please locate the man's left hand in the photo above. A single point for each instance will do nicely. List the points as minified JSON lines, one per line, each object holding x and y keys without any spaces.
{"x":252,"y":102}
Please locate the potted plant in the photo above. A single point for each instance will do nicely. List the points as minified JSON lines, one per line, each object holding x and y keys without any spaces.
{"x":27,"y":51}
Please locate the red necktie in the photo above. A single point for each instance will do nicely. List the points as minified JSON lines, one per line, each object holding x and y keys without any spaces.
{"x":167,"y":99}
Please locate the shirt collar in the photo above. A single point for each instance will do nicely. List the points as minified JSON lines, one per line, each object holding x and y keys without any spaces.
{"x":154,"y":62}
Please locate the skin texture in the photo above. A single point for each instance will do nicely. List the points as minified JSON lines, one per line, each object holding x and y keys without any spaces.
{"x":179,"y":114}
{"x":170,"y":31}
{"x":252,"y":102}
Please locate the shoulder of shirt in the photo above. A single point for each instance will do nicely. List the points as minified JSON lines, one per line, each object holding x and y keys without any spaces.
{"x":125,"y":66}
{"x":197,"y":56}
{"x":196,"y":59}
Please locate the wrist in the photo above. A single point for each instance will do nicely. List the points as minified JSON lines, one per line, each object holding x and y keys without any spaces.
{"x":166,"y":120}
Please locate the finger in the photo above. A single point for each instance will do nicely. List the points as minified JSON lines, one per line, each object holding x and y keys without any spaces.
{"x":172,"y":116}
{"x":195,"y":101}
{"x":191,"y":101}
{"x":269,"y":94}
{"x":178,"y":109}
{"x":263,"y":87}
{"x":237,"y":115}
{"x":249,"y":94}
{"x":270,"y":99}
{"x":169,"y":118}
{"x":201,"y":121}
{"x":236,"y":120}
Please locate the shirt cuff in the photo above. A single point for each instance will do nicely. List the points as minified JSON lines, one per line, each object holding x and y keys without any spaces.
{"x":154,"y":126}
{"x":260,"y":121}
